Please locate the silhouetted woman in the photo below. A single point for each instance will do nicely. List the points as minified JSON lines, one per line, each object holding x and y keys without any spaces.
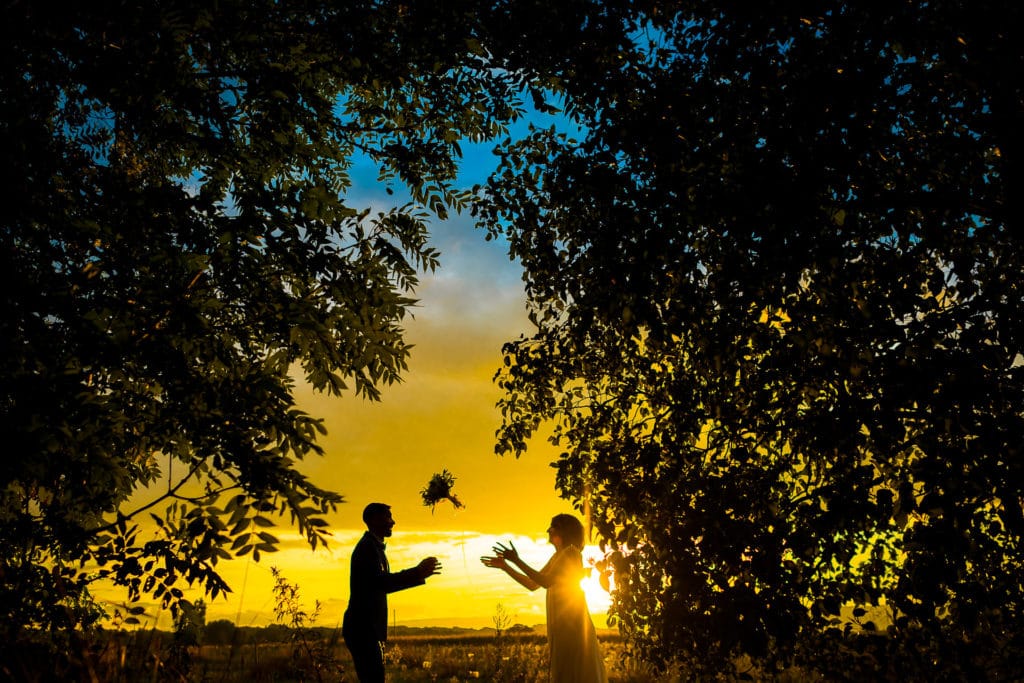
{"x":575,"y":653}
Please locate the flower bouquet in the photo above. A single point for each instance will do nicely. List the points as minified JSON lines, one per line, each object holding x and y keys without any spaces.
{"x":440,"y":488}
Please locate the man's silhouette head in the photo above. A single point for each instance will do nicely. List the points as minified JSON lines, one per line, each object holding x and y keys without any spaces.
{"x":378,"y":519}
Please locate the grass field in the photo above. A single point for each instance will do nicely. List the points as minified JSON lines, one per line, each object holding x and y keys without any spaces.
{"x":121,"y":657}
{"x":409,"y":659}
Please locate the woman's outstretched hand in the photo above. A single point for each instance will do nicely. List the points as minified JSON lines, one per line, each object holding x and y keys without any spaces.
{"x":494,"y":562}
{"x":508,"y":553}
{"x":502,"y":556}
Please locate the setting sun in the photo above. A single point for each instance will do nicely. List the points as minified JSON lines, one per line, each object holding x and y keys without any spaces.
{"x":598,"y":599}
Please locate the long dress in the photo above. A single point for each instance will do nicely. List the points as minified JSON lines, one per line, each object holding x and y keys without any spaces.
{"x":575,"y":653}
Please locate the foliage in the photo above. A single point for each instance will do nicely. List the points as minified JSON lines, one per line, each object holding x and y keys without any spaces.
{"x":178,"y":250}
{"x":777,"y":296}
{"x":440,"y":488}
{"x":190,"y":623}
{"x":312,"y":657}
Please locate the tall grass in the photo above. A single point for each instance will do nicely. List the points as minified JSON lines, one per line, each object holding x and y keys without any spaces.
{"x":319,"y":655}
{"x":293,"y":650}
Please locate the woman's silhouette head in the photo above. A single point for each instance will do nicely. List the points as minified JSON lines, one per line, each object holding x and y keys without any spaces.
{"x":569,"y":528}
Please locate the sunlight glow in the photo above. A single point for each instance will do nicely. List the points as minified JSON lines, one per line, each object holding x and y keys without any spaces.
{"x":598,"y":599}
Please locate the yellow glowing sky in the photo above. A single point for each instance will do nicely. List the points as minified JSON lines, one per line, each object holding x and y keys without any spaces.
{"x":442,"y":416}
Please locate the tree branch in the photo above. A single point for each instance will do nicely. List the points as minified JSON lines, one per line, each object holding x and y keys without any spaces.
{"x":170,"y":494}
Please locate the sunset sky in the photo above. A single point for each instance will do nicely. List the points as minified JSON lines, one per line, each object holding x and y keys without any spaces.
{"x":442,"y":416}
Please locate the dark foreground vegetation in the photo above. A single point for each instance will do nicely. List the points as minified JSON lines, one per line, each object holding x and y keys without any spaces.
{"x":277,"y":654}
{"x":256,"y":655}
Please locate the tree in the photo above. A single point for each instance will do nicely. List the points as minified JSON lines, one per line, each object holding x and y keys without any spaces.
{"x":777,"y":296}
{"x":190,"y":624}
{"x":502,"y":619}
{"x":177,"y":248}
{"x":221,"y":632}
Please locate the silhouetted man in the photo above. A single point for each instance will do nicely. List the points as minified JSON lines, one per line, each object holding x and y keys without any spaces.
{"x":365,"y":628}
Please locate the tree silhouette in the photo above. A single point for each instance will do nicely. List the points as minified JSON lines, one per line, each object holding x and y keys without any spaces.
{"x":177,"y":249}
{"x":777,"y":296}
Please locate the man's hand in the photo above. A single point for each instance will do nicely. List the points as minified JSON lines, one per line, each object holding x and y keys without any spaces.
{"x":428,"y":567}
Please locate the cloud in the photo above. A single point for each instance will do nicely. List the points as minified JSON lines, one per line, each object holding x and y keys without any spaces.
{"x":463,"y":593}
{"x":465,"y":589}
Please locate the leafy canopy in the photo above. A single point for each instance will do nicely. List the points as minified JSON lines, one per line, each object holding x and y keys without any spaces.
{"x":777,"y":296}
{"x":177,"y":246}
